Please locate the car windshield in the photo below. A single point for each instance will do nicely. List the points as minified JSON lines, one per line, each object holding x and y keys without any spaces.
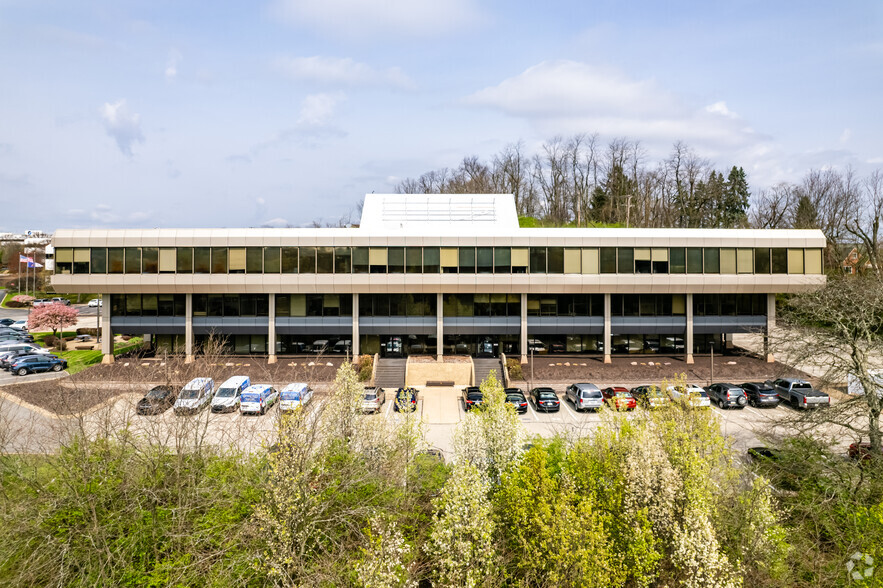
{"x":226,"y":393}
{"x":251,"y":397}
{"x":623,"y":394}
{"x":291,"y":395}
{"x":156,"y":394}
{"x":514,"y":398}
{"x":591,"y":394}
{"x":474,"y":395}
{"x":801,"y":386}
{"x":404,"y":395}
{"x":546,"y":394}
{"x":189,"y":394}
{"x":370,"y":396}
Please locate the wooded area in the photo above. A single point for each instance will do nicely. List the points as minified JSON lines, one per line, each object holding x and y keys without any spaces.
{"x":579,"y":181}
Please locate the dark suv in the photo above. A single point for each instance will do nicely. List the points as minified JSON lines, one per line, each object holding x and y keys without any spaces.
{"x":727,"y":395}
{"x":761,"y":394}
{"x":30,"y":364}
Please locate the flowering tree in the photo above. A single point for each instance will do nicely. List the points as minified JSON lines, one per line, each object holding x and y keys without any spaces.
{"x":23,"y":299}
{"x":492,"y":436}
{"x":52,"y":316}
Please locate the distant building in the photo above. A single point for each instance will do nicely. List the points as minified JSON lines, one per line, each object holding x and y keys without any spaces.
{"x":855,"y":261}
{"x":440,"y":274}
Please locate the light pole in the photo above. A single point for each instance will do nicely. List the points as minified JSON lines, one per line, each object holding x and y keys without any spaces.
{"x":98,"y":320}
{"x":712,"y":363}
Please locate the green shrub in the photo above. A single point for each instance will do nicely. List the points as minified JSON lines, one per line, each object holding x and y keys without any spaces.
{"x":51,"y":341}
{"x":514,"y":368}
{"x":91,"y":331}
{"x":14,"y":304}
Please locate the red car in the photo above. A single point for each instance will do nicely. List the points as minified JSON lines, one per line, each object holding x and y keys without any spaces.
{"x":619,"y":398}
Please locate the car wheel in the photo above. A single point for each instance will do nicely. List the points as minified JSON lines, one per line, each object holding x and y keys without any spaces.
{"x":263,"y":410}
{"x":56,"y":367}
{"x":22,"y":372}
{"x":721,"y":404}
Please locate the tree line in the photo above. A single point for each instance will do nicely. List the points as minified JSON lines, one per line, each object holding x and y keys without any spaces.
{"x":579,"y":181}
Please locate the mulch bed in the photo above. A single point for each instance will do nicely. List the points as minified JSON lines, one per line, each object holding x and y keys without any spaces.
{"x":82,"y":391}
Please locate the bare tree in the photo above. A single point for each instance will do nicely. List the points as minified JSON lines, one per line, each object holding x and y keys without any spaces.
{"x":837,"y":329}
{"x":865,"y":226}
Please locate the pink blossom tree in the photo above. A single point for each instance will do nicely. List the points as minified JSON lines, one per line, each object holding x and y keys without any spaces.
{"x":55,"y":316}
{"x":23,"y":299}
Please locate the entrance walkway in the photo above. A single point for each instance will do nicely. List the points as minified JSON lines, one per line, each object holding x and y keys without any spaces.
{"x":441,"y":405}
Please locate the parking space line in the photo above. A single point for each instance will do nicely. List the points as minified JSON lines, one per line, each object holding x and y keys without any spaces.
{"x":388,"y":408}
{"x":532,"y":411}
{"x":570,"y":411}
{"x":754,"y":410}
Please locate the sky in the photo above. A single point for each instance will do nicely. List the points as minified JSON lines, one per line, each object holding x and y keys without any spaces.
{"x":117,"y":114}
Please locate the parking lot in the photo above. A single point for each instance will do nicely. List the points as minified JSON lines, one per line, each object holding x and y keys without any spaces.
{"x":439,"y":409}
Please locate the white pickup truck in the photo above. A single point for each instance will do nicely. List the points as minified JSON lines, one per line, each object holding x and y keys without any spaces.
{"x":800,"y":393}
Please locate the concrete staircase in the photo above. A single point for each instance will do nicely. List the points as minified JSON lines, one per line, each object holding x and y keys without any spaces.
{"x":390,"y":372}
{"x":486,"y":365}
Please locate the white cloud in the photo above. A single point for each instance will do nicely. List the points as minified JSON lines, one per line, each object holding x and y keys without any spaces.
{"x":845,"y":136}
{"x":342,"y":72}
{"x":123,"y":126}
{"x":357,"y":18}
{"x":174,"y":59}
{"x":277,"y":223}
{"x":721,"y":109}
{"x":317,"y":109}
{"x":567,"y":97}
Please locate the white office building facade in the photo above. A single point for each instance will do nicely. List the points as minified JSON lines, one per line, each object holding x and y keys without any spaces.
{"x":438,"y":274}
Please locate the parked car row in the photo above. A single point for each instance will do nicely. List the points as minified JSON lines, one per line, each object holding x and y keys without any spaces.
{"x":235,"y":394}
{"x":22,"y":363}
{"x":587,"y":396}
{"x":56,"y":300}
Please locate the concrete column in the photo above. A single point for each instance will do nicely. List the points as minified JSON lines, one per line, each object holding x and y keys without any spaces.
{"x":522,"y":344}
{"x":356,"y":336}
{"x":608,"y":340}
{"x":188,"y":328}
{"x":688,"y":336}
{"x":439,"y":326}
{"x":271,"y":329}
{"x":106,"y":332}
{"x":728,"y":340}
{"x":770,"y":325}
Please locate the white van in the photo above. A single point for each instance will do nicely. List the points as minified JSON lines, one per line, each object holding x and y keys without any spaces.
{"x":319,"y":346}
{"x":196,"y":395}
{"x":227,"y":397}
{"x":293,"y":396}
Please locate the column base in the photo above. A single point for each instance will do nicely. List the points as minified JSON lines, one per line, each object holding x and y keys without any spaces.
{"x":523,"y":359}
{"x":271,"y":359}
{"x":770,"y":358}
{"x":107,"y":358}
{"x":607,"y":358}
{"x":689,"y":359}
{"x":439,"y":358}
{"x":188,"y":359}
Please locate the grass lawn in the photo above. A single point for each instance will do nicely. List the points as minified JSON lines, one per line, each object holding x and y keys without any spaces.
{"x":80,"y":359}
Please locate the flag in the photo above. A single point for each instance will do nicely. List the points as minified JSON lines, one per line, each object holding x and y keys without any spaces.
{"x":35,"y":264}
{"x":22,"y":258}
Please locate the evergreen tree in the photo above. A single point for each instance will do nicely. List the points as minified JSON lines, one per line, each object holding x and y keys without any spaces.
{"x":733,"y":207}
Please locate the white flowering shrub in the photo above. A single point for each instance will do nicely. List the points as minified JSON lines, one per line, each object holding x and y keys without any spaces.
{"x":385,"y":560}
{"x":490,"y":437}
{"x":461,"y":540}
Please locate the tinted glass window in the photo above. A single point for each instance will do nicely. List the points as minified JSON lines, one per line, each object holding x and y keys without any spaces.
{"x":184,"y":260}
